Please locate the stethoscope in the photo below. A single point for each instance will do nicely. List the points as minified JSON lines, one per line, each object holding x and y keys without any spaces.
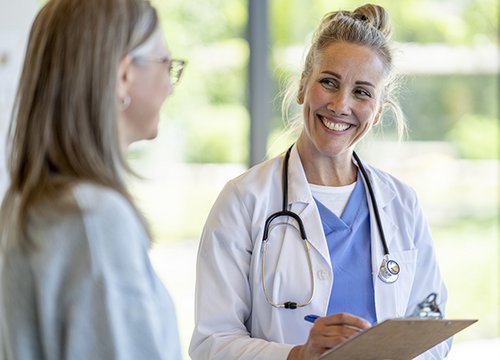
{"x":389,"y":268}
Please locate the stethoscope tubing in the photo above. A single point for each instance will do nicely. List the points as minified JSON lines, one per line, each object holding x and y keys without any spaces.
{"x":374,"y":203}
{"x":284,"y":210}
{"x":284,"y":213}
{"x":389,"y":269}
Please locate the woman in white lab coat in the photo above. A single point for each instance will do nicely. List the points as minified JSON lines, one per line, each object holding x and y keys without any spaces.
{"x":252,"y":295}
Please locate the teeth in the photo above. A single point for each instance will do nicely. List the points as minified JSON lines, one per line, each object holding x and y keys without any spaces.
{"x":335,"y":126}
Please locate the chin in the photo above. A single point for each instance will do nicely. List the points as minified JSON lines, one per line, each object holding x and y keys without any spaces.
{"x":145,"y":136}
{"x":152,"y":135}
{"x":150,"y":132}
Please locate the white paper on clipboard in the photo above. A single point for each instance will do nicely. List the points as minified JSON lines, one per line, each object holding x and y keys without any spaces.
{"x":397,"y":339}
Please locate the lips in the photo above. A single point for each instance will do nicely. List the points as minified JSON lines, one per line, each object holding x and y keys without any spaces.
{"x":334,"y":126}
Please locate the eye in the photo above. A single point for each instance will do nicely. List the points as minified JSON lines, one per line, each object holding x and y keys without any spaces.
{"x":329,"y":83}
{"x":363,"y":93}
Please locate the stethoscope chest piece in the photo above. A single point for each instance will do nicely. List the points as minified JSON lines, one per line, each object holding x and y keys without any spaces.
{"x":389,"y":270}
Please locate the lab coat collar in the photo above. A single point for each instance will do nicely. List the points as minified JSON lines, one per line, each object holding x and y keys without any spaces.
{"x":300,"y":201}
{"x":298,"y":187}
{"x":384,"y":195}
{"x":299,"y":190}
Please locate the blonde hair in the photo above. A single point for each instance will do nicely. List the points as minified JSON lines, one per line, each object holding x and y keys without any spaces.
{"x":64,"y":127}
{"x":368,"y":25}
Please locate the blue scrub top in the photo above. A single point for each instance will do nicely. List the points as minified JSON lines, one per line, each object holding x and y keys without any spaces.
{"x":349,"y":243}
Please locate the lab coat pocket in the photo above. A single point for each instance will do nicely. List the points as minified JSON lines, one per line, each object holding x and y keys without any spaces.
{"x":392,"y":299}
{"x":407,"y":261}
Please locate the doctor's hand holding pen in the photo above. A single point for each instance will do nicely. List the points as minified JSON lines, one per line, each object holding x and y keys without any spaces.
{"x":326,"y":333}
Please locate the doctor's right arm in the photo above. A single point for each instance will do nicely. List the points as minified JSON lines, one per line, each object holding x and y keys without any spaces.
{"x":223,"y":299}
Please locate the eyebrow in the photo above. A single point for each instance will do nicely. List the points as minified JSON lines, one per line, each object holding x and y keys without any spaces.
{"x":359,"y":82}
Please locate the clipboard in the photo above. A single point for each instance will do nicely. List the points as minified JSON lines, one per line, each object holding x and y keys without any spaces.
{"x":397,"y":339}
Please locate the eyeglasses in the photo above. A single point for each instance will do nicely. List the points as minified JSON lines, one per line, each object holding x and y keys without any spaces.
{"x":175,"y":66}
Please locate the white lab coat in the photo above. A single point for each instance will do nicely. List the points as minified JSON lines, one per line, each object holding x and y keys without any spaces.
{"x":233,"y":320}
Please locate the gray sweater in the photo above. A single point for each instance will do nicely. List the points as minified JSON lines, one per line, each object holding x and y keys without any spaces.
{"x":89,"y":290}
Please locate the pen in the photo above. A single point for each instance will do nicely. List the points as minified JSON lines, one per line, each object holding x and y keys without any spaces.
{"x":311,"y":318}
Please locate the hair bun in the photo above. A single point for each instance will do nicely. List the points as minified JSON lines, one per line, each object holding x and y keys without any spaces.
{"x":376,"y":16}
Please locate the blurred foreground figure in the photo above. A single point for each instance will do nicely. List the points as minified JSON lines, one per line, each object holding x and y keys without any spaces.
{"x":76,"y":281}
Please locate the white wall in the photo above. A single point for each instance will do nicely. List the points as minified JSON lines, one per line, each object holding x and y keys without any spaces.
{"x":15,"y":22}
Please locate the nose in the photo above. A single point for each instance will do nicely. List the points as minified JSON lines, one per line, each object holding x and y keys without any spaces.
{"x":340,"y":103}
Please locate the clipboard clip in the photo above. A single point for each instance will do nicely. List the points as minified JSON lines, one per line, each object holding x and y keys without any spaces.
{"x":428,"y":309}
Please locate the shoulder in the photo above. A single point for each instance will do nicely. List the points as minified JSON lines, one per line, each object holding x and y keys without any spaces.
{"x":101,"y":233}
{"x":85,"y":207}
{"x":98,"y":201}
{"x":256,"y":179}
{"x":112,"y":226}
{"x":252,"y":186}
{"x":392,"y":192}
{"x":245,"y":194}
{"x":384,"y":178}
{"x":105,"y":208}
{"x":258,"y":174}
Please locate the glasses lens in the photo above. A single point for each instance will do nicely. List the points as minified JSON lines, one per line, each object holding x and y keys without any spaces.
{"x":176,"y":68}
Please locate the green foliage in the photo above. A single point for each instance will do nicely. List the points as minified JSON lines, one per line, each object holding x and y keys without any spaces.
{"x":221,"y":136}
{"x":481,"y":19}
{"x":190,"y":23}
{"x":423,"y":21}
{"x":433,"y":104}
{"x":207,"y":110}
{"x":476,"y":137}
{"x":468,"y":251}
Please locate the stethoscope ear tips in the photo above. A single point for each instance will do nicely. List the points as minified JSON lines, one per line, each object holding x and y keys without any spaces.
{"x":389,"y":270}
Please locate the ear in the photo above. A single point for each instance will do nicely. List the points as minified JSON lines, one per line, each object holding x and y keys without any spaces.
{"x":378,"y":117}
{"x":124,"y":76}
{"x":300,"y":94}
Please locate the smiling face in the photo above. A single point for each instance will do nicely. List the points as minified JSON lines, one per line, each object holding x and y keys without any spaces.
{"x":341,"y":100}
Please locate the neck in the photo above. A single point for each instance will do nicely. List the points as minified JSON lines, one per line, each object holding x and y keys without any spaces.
{"x":338,"y":170}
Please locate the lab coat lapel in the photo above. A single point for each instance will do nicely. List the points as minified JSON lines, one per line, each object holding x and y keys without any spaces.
{"x":300,"y":201}
{"x":385,"y":299}
{"x":383,"y":195}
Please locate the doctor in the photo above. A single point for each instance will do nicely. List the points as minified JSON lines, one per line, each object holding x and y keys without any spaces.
{"x":315,"y":231}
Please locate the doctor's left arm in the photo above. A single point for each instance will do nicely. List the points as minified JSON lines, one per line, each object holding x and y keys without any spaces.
{"x":223,"y":299}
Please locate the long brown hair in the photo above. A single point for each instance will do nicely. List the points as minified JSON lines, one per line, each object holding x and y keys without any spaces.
{"x":64,"y":124}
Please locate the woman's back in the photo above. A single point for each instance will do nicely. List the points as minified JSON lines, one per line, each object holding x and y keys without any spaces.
{"x":88,"y":285}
